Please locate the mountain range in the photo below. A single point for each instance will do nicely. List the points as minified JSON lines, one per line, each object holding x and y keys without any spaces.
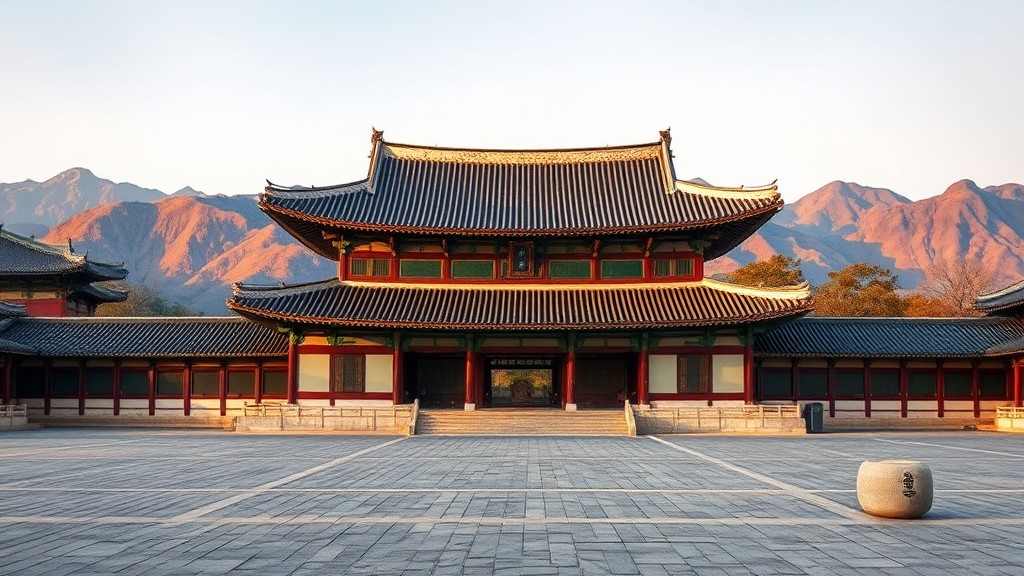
{"x":191,"y":246}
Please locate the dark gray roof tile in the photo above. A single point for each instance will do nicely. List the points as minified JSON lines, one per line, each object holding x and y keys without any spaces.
{"x":616,"y":190}
{"x":146,"y":337}
{"x":527,"y":308}
{"x":888,"y":337}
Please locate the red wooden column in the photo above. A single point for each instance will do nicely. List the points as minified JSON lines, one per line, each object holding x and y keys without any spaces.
{"x":940,"y":389}
{"x":748,"y":373}
{"x":81,"y":387}
{"x":258,"y":382}
{"x":117,"y":387}
{"x":867,"y":388}
{"x":831,"y":386}
{"x":222,"y":386}
{"x":342,"y":247}
{"x":293,"y":371}
{"x":1018,"y":365}
{"x":470,"y":374}
{"x":152,"y":387}
{"x":976,"y":388}
{"x":903,"y":388}
{"x":397,"y":372}
{"x":643,"y":372}
{"x":570,"y":374}
{"x":186,"y":389}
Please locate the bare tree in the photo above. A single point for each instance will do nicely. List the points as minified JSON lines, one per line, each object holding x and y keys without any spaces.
{"x":143,"y":301}
{"x":955,"y":284}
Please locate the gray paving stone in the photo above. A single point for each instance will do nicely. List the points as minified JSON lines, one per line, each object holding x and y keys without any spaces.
{"x":92,"y":501}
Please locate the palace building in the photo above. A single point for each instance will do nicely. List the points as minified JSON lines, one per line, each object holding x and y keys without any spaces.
{"x":473,"y":279}
{"x":479,"y":278}
{"x":51,"y":281}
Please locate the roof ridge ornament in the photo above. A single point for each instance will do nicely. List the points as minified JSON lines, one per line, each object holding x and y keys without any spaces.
{"x":666,"y":135}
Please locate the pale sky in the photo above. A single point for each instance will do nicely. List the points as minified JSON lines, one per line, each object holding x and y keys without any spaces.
{"x":218,"y":95}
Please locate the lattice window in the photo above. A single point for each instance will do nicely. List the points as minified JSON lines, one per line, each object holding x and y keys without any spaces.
{"x":205,"y":383}
{"x":370,"y":267}
{"x":241,"y":383}
{"x":134,"y":383}
{"x":921,"y":384}
{"x":359,"y":266}
{"x":694,"y":372}
{"x":886,"y":384}
{"x":776,"y":383}
{"x":99,"y":381}
{"x":348,"y":373}
{"x":675,"y":267}
{"x":992,"y":384}
{"x":850,"y":383}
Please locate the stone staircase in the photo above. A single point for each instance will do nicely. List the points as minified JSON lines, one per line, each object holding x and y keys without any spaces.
{"x":522,"y":422}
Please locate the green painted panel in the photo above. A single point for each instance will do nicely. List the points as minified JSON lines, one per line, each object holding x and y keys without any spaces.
{"x":472,"y":269}
{"x":569,"y":269}
{"x":622,"y":269}
{"x":419,"y":269}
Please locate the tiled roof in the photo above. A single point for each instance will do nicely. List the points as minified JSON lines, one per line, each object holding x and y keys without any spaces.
{"x":1013,"y":347}
{"x":521,"y":193}
{"x":1000,"y":300}
{"x":526,"y":308}
{"x":889,"y":337}
{"x":8,"y":346}
{"x":99,"y":293}
{"x":9,"y":310}
{"x":20,"y":256}
{"x":146,"y":337}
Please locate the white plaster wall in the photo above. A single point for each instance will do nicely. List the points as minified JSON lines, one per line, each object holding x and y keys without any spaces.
{"x":662,"y":377}
{"x":379,"y":372}
{"x":314,"y":372}
{"x":107,"y":403}
{"x":727,"y":373}
{"x":885,"y":405}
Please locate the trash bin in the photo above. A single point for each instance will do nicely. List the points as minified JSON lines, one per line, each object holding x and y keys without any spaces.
{"x":814,"y":417}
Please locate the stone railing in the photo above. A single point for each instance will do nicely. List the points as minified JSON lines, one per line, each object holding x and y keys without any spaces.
{"x":297,"y":418}
{"x":414,"y":416}
{"x":1010,"y":418}
{"x":719,"y":419}
{"x":12,"y":415}
{"x":630,"y":420}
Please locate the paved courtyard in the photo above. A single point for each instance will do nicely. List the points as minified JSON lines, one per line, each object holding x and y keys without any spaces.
{"x":124,"y":501}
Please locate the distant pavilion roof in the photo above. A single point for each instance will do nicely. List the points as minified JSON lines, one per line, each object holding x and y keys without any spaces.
{"x":101,"y":294}
{"x":517,"y":307}
{"x":430,"y":191}
{"x":817,"y":337}
{"x":10,"y":310}
{"x":198,"y":337}
{"x":20,"y":256}
{"x":1002,"y":301}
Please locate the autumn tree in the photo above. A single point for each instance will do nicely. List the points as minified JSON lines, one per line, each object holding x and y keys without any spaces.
{"x":859,"y":290}
{"x":954,"y":285}
{"x":776,"y":271}
{"x":143,"y":301}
